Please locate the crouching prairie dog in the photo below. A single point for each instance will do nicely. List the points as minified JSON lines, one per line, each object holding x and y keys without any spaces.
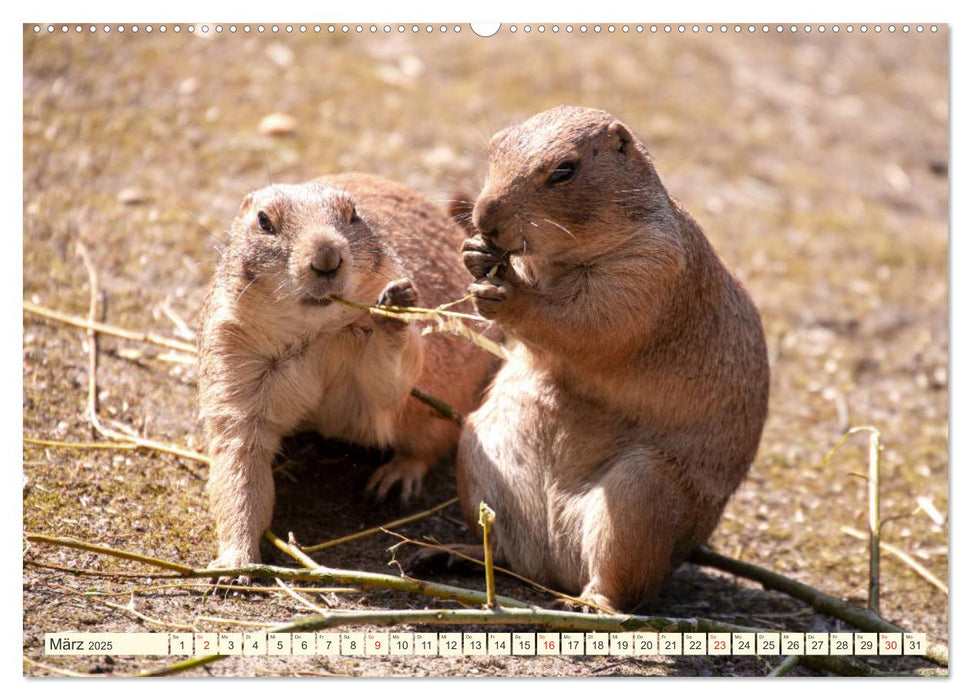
{"x":278,"y":356}
{"x":636,"y":390}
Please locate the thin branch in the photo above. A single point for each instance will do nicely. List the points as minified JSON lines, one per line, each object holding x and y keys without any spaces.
{"x":487,"y":517}
{"x":461,"y":555}
{"x":146,"y":618}
{"x":865,"y":620}
{"x":873,"y":507}
{"x":444,"y":410}
{"x":381,"y":528}
{"x":300,"y":599}
{"x":789,"y":663}
{"x":110,"y":551}
{"x":385,"y":581}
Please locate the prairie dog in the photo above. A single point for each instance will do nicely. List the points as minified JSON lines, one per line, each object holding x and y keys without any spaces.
{"x":634,"y":398}
{"x":278,"y":356}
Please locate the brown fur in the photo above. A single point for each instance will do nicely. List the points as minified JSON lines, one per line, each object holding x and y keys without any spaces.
{"x":637,"y":388}
{"x":277,"y":356}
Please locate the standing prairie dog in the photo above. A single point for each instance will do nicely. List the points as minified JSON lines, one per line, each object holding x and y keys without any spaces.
{"x":278,"y":356}
{"x":637,"y":386}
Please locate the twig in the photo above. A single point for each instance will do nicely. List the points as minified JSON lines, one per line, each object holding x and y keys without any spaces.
{"x":180,"y":325}
{"x":146,"y":618}
{"x":300,"y":599}
{"x":181,"y":666}
{"x":135,"y":355}
{"x":384,"y":581}
{"x":82,"y":445}
{"x":904,"y":557}
{"x":110,"y":551}
{"x":865,"y":620}
{"x":92,"y":405}
{"x":97,"y":574}
{"x":487,"y":517}
{"x":438,"y":404}
{"x":62,"y":671}
{"x":107,"y":329}
{"x":873,"y":509}
{"x":224,"y":586}
{"x":253,"y":624}
{"x":789,"y":663}
{"x":461,"y":555}
{"x":380,"y":528}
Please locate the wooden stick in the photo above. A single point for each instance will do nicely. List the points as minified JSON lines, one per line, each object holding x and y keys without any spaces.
{"x":444,"y":410}
{"x":487,"y":517}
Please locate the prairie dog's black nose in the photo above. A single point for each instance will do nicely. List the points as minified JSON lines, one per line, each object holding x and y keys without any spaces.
{"x":326,"y":259}
{"x":485,"y":217}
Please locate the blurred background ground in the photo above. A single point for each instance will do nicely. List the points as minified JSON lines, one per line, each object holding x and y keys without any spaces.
{"x":816,"y":163}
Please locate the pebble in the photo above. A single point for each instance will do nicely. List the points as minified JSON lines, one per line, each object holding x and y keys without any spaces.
{"x":189,"y":86}
{"x":278,"y":124}
{"x":132,"y":196}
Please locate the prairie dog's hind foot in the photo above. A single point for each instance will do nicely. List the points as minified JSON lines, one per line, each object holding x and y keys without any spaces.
{"x":458,"y":559}
{"x":407,"y":472}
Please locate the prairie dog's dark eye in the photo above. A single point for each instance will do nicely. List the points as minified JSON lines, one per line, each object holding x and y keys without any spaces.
{"x":563,"y":172}
{"x":354,"y":218}
{"x":266,"y":226}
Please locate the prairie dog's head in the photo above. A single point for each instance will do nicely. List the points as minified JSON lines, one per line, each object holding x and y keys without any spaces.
{"x":563,"y":181}
{"x":299,"y":244}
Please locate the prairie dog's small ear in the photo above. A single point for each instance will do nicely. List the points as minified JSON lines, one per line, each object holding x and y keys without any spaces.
{"x":247,"y":201}
{"x":619,"y":137}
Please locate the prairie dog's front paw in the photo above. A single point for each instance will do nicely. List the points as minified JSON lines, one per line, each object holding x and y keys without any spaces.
{"x":400,"y":293}
{"x":490,"y":295}
{"x":481,"y":256}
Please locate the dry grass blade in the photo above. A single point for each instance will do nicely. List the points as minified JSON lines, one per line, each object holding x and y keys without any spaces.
{"x":107,"y":329}
{"x":904,"y":557}
{"x":445,"y":321}
{"x":81,"y":445}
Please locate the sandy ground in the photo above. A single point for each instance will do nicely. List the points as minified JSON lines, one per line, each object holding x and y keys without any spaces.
{"x":817,"y":164}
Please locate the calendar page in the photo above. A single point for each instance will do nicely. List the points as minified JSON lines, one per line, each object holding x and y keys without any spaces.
{"x":601,"y":348}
